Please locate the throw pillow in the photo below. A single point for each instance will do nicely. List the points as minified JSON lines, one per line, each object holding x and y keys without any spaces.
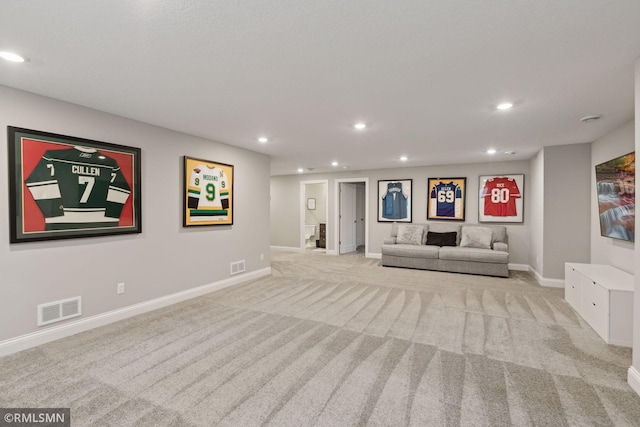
{"x":476,"y":237}
{"x":442,"y":239}
{"x":410,"y":234}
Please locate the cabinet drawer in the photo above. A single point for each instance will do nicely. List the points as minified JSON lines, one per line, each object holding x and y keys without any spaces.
{"x":572,"y":287}
{"x":595,"y":303}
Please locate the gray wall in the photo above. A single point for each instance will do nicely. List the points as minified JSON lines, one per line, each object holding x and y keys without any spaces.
{"x":285,"y":211}
{"x":567,"y":207}
{"x":536,"y":223}
{"x":636,"y":294}
{"x":164,"y":259}
{"x":285,"y":217}
{"x":560,"y":208}
{"x":605,"y":250}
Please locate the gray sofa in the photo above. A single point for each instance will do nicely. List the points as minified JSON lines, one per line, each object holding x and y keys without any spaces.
{"x":479,"y":249}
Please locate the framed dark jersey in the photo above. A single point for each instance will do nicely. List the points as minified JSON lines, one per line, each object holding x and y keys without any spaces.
{"x":67,"y":187}
{"x":446,"y":198}
{"x":394,"y":200}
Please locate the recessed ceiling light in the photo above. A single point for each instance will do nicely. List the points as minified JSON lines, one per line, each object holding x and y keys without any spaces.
{"x":505,"y":106}
{"x":12,"y":57}
{"x":509,"y":153}
{"x":491,"y":151}
{"x":263,"y":139}
{"x":300,"y":170}
{"x":360,"y":126}
{"x":404,"y":158}
{"x":334,"y":163}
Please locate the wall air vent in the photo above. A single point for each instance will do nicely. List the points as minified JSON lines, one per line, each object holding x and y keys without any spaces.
{"x":56,"y":311}
{"x":237,"y":267}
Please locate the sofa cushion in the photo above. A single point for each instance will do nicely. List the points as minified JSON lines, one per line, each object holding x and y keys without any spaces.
{"x":411,"y":251}
{"x":445,"y":227}
{"x":410,"y":234}
{"x":442,"y":239}
{"x":474,"y":254}
{"x":394,"y":231}
{"x":499,"y":246}
{"x":476,"y":237}
{"x":499,"y":231}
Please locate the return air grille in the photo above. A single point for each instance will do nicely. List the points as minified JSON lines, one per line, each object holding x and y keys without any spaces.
{"x":237,"y":267}
{"x":59,"y":310}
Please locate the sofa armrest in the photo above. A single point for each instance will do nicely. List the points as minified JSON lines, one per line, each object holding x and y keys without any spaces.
{"x":502,"y":247}
{"x":389,"y":241}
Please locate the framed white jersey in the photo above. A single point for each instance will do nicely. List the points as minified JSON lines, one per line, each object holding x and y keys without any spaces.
{"x":208,"y":195}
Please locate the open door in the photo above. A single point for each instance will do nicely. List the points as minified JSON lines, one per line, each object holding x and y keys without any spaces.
{"x":348,"y":221}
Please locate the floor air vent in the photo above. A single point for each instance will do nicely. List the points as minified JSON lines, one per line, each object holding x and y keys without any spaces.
{"x":59,"y":310}
{"x":237,"y":267}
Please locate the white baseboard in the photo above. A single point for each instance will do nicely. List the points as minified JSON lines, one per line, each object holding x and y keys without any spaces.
{"x":332,"y":252}
{"x":620,"y":343}
{"x":549,"y":283}
{"x":633,"y":378}
{"x":519,"y":267}
{"x":374,"y":255}
{"x":23,"y":342}
{"x":287,"y":248}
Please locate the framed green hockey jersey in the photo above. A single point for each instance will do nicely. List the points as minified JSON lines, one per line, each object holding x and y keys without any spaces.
{"x":68,"y":187}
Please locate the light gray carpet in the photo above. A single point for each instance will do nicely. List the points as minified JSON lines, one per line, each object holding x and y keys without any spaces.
{"x":338,"y":341}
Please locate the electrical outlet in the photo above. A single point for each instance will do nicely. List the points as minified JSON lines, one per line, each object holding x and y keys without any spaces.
{"x":261,"y":257}
{"x":120,"y":288}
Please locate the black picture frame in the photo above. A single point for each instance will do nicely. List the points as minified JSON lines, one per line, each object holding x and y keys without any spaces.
{"x":64,"y":187}
{"x":395,"y":201}
{"x":446,"y":198}
{"x":207,"y":197}
{"x":616,"y":194}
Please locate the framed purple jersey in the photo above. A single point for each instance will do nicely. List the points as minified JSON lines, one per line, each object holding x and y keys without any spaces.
{"x":446,"y":198}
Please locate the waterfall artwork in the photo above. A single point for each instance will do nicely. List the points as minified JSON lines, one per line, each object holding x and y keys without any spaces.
{"x":615,"y":185}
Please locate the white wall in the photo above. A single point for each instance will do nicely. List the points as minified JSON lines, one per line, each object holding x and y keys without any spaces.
{"x":285,"y":202}
{"x":360,"y":213}
{"x":605,"y":250}
{"x":165,"y":258}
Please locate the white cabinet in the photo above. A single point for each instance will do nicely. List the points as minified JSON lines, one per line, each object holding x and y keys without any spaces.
{"x":603,"y":296}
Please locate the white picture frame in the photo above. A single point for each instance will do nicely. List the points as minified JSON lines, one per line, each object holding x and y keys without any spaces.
{"x":501,"y":198}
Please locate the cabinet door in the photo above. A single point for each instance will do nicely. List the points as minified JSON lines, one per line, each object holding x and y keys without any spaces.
{"x":572,"y":285}
{"x":595,"y":300}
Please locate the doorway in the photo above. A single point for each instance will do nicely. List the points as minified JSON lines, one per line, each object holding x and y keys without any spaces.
{"x":314,"y":212}
{"x":352,"y":216}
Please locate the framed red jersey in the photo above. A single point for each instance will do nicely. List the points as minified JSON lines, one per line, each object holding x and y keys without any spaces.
{"x":501,"y":198}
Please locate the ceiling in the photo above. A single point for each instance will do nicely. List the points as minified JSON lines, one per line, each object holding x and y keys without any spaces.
{"x":425,"y":75}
